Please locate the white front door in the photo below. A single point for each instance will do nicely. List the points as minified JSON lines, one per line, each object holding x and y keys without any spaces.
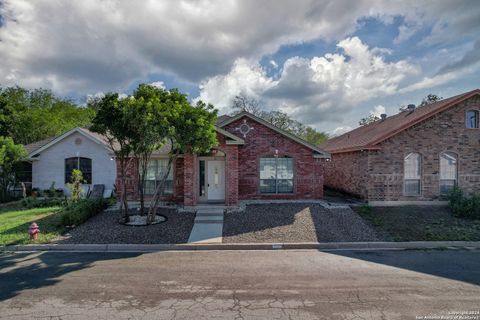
{"x":216,"y":180}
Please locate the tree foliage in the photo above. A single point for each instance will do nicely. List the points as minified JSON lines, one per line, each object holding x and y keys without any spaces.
{"x":279,"y":119}
{"x":138,"y":125}
{"x":193,"y":131}
{"x":10,"y":156}
{"x":369,"y":119}
{"x":112,"y":120}
{"x":31,"y":115}
{"x":429,"y":99}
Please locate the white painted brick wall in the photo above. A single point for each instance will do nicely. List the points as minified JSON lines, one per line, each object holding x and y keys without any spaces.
{"x":50,"y":165}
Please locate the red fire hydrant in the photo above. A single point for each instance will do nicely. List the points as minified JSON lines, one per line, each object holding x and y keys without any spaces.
{"x":33,"y":231}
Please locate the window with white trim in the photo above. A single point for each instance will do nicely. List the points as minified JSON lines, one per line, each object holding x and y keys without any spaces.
{"x":156,"y":169}
{"x":448,"y":171}
{"x":471,"y":119}
{"x":276,"y":175}
{"x":79,"y":163}
{"x":412,"y":167}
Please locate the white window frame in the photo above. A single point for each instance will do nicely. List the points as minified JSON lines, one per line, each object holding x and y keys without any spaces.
{"x":455,"y":181}
{"x":78,"y":168}
{"x":420,"y":175}
{"x":158,"y":178}
{"x":276,"y":175}
{"x":477,"y":119}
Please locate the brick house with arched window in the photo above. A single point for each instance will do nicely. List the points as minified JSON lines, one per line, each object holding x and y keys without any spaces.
{"x":416,"y":155}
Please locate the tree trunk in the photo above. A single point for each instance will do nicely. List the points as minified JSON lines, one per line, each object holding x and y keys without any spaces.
{"x":160,"y":190}
{"x":141,"y":182}
{"x":123,"y":197}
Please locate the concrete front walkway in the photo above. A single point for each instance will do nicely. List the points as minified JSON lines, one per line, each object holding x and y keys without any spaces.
{"x":208,"y":225}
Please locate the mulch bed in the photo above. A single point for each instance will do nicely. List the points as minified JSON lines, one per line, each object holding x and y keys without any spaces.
{"x":294,"y":222}
{"x":105,"y":228}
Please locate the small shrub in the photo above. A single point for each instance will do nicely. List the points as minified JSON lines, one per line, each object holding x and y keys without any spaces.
{"x":76,"y":185}
{"x":30,"y":202}
{"x":52,"y":192}
{"x":464,"y":206}
{"x":80,"y":211}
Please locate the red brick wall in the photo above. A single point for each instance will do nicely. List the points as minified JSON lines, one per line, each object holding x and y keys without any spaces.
{"x":383,"y":180}
{"x":348,"y":172}
{"x":446,"y":131}
{"x":190,"y":194}
{"x":261,"y":142}
{"x":231,"y":171}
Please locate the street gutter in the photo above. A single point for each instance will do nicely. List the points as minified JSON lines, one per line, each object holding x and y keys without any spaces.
{"x":323,"y":246}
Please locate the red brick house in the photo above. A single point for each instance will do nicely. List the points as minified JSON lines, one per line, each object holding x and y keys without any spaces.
{"x":254,"y":160}
{"x":416,"y":155}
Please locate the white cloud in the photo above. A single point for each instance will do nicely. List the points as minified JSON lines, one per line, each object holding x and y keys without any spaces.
{"x":340,"y":130}
{"x":377,"y":110}
{"x":429,"y":82}
{"x":158,"y":84}
{"x":245,"y":77}
{"x":86,"y":46}
{"x":274,"y":64}
{"x":314,"y":90}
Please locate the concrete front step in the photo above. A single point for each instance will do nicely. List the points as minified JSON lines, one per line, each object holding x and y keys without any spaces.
{"x":209,"y":218}
{"x":209,"y":207}
{"x":208,"y":214}
{"x":216,"y":211}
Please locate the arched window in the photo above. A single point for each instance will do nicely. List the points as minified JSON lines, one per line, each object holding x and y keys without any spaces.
{"x":82,"y":164}
{"x":276,"y":175}
{"x":448,"y":171}
{"x":471,"y":119}
{"x":412,"y":168}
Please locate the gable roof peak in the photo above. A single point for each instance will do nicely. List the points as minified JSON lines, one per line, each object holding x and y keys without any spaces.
{"x":322,"y":153}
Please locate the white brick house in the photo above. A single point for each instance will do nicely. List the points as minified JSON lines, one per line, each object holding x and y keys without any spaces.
{"x":53,"y":160}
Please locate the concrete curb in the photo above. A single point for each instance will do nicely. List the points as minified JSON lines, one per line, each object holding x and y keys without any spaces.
{"x":326,"y":246}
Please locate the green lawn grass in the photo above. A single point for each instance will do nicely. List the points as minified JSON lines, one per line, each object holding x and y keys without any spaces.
{"x":14,"y":223}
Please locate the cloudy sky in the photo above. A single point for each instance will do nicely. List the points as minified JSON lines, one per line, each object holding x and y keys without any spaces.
{"x":327,"y":63}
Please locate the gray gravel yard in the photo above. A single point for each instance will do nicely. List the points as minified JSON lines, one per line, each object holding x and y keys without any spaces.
{"x":295,"y":222}
{"x":104,"y":228}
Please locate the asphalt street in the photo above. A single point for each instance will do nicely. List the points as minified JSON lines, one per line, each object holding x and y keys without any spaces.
{"x":241,"y":285}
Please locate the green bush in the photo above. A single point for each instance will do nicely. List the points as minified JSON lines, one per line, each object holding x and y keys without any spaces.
{"x":78,"y":212}
{"x":30,"y":202}
{"x":464,"y":206}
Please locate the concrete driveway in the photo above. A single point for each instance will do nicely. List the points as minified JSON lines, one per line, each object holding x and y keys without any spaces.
{"x":239,"y":285}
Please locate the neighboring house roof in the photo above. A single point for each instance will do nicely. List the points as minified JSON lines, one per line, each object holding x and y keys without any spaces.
{"x":320,"y":152}
{"x":222,"y":118}
{"x":368,"y":137}
{"x":39,"y":146}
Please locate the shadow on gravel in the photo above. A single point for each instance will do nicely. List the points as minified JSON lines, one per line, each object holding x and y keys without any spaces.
{"x":461,"y":265}
{"x":295,"y":222}
{"x":21,"y":271}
